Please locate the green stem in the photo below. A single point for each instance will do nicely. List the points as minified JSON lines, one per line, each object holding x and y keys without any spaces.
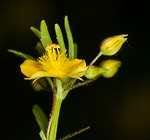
{"x":55,"y":111}
{"x":97,"y":57}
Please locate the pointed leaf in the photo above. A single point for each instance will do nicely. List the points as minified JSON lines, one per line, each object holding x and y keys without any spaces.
{"x":59,"y":37}
{"x":45,"y":37}
{"x":42,"y":135}
{"x":20,"y":54}
{"x":36,"y":32}
{"x":70,"y":38}
{"x":49,"y":80}
{"x":40,"y":118}
{"x":40,"y":48}
{"x":75,"y":133}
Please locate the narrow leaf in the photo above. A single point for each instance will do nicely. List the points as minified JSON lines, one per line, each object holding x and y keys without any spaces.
{"x":20,"y":54}
{"x":40,"y":118}
{"x":69,"y":37}
{"x":49,"y":80}
{"x":45,"y":37}
{"x":42,"y":135}
{"x":36,"y":32}
{"x":39,"y":48}
{"x":75,"y":133}
{"x":75,"y":50}
{"x":59,"y":37}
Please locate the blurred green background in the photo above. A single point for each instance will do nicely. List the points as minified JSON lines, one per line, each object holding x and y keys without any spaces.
{"x":117,"y":108}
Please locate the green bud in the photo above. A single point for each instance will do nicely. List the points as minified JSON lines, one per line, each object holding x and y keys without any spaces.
{"x":39,"y":84}
{"x":112,"y":45}
{"x":111,"y":67}
{"x":93,"y":71}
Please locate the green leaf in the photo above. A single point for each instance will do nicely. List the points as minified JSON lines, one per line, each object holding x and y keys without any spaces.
{"x":75,"y":133}
{"x":45,"y":37}
{"x":42,"y":135}
{"x":49,"y":80}
{"x":59,"y":37}
{"x":20,"y":54}
{"x":70,"y":38}
{"x":75,"y":50}
{"x":40,"y":118}
{"x":40,"y":48}
{"x":36,"y":32}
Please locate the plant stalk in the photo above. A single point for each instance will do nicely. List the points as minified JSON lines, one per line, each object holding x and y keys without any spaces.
{"x":57,"y":101}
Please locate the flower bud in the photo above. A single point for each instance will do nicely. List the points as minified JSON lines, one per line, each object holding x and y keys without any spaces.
{"x":39,"y":84}
{"x":111,"y":45}
{"x":111,"y":67}
{"x":93,"y":71}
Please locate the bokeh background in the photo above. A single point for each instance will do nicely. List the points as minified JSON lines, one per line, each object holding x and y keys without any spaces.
{"x":117,"y":108}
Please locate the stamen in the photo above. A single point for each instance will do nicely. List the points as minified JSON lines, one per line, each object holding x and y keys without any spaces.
{"x":55,"y":46}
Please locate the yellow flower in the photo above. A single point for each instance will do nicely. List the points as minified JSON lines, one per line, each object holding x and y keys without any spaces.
{"x":53,"y":64}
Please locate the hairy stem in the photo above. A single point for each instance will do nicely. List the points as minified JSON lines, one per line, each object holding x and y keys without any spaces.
{"x":57,"y":101}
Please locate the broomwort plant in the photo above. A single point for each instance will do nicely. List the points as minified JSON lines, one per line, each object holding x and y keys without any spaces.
{"x":59,"y":66}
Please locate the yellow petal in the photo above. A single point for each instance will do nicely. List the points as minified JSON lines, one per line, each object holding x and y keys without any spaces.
{"x":29,"y":67}
{"x":75,"y":68}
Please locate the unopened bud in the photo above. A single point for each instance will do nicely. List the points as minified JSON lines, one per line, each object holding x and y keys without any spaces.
{"x":112,"y":45}
{"x":111,"y":67}
{"x":39,"y":84}
{"x":93,"y":71}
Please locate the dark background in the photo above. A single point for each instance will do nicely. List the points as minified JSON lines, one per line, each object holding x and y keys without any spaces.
{"x":117,"y":108}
